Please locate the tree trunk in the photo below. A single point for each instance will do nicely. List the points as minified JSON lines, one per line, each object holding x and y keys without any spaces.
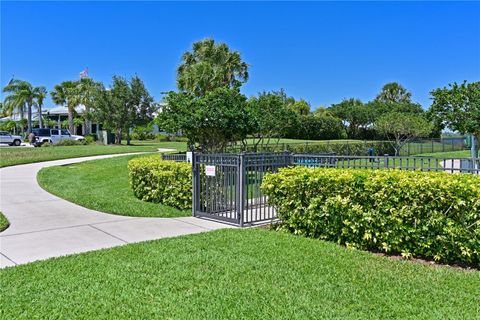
{"x":29,"y":118}
{"x":71,"y":126}
{"x":40,"y":120}
{"x":118,"y":137}
{"x":128,"y":137}
{"x":88,"y":122}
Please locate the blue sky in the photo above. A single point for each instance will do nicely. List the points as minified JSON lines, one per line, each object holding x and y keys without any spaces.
{"x":323,"y":52}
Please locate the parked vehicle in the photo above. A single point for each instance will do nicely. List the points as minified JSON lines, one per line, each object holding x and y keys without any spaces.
{"x":54,"y":135}
{"x":7,"y":138}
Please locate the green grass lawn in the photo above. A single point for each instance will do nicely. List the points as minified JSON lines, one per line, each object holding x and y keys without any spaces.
{"x":236,"y":274}
{"x":10,"y":156}
{"x":453,"y":154}
{"x":3,"y":222}
{"x":101,"y":185}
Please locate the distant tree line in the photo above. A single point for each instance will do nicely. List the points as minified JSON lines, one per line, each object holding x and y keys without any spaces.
{"x":212,"y":113}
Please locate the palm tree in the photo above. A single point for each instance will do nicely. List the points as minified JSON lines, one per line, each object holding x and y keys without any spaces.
{"x":40,"y":95}
{"x":66,"y":93}
{"x":210,"y":66}
{"x":22,"y":93}
{"x":87,"y":89}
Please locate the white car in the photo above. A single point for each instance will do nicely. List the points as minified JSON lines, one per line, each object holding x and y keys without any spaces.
{"x":6,"y":137}
{"x":54,"y":135}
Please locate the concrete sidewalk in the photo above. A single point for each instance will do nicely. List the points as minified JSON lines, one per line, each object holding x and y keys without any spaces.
{"x":44,"y":226}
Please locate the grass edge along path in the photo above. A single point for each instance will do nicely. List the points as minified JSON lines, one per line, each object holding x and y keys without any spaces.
{"x":10,"y":156}
{"x":102,"y":185}
{"x":237,"y":273}
{"x":4,"y":223}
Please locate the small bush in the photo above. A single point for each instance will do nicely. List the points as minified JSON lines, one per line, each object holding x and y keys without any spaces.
{"x":421,"y":214}
{"x":70,"y":143}
{"x":155,"y":180}
{"x":162,"y":138}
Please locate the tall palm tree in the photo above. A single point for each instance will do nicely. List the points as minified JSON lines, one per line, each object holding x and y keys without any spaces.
{"x":66,"y":93}
{"x":87,"y":89}
{"x":210,"y":66}
{"x":40,"y":95}
{"x":22,"y":93}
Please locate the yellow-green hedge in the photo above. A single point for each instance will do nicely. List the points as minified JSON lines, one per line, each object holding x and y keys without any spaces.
{"x":419,"y":214}
{"x":167,"y":182}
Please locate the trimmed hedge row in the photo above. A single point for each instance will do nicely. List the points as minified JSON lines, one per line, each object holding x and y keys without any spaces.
{"x":352,"y":148}
{"x":167,"y":182}
{"x":418,"y":214}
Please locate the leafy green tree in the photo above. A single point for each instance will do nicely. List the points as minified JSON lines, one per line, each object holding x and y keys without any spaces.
{"x":66,"y":93}
{"x":87,"y":90}
{"x":458,"y":107}
{"x":321,"y":126}
{"x":400,"y":128}
{"x":125,"y":104}
{"x":271,"y":117}
{"x":22,"y":93}
{"x":210,"y":122}
{"x":301,"y":107}
{"x":394,"y":92}
{"x":41,"y":94}
{"x":209,"y":66}
{"x":355,"y":115}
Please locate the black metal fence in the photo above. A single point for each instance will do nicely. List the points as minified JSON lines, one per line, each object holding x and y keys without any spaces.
{"x":178,"y":157}
{"x":227,"y":187}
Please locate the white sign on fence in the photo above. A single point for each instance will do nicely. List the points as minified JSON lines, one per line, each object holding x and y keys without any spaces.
{"x":189,"y":157}
{"x":210,"y":171}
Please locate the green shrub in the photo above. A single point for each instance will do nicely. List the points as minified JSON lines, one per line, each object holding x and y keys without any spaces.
{"x":422,"y":214}
{"x":70,"y":143}
{"x":162,"y":138}
{"x":167,"y":182}
{"x":353,"y":148}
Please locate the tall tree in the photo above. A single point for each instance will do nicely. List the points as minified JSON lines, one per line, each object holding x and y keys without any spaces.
{"x":355,"y":115}
{"x":301,"y":107}
{"x":210,"y":122}
{"x":394,"y":92}
{"x":123,"y":105}
{"x":41,"y":94}
{"x":271,"y":117}
{"x":209,"y":66}
{"x":66,"y":93}
{"x":400,"y":128}
{"x":87,"y":89}
{"x":458,"y":108}
{"x":22,"y":93}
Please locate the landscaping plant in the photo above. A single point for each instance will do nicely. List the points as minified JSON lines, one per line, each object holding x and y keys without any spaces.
{"x":166,"y":182}
{"x":417,"y":214}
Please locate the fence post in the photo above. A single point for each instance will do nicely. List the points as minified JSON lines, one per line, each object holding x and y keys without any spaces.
{"x":241,"y":188}
{"x":194,"y":184}
{"x":385,"y":160}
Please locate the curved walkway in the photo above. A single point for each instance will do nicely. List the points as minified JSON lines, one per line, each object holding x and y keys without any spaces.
{"x":44,"y":226}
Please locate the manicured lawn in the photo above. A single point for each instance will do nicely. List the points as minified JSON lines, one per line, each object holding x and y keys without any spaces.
{"x":3,"y":222}
{"x":101,"y":185}
{"x":236,"y":274}
{"x":10,"y":156}
{"x":453,"y":154}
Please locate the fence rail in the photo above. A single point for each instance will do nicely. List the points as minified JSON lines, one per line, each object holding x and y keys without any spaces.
{"x":178,"y":157}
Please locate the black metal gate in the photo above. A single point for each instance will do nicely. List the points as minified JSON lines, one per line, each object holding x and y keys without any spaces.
{"x":226,"y":187}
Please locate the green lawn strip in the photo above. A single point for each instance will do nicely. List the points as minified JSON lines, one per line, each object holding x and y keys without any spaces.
{"x":101,"y":185}
{"x":453,"y":154}
{"x":3,"y":222}
{"x":10,"y":156}
{"x":233,"y":274}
